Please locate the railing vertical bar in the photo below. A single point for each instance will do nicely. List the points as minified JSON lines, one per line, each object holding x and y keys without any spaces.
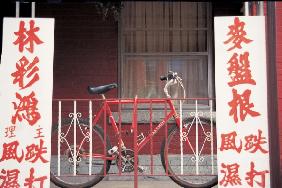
{"x":59,"y":137}
{"x":211,"y":118}
{"x":74,"y":136}
{"x":197,"y":139}
{"x":90,"y":138}
{"x":119,"y":137}
{"x":151,"y":141}
{"x":181,"y":137}
{"x":105,"y":136}
{"x":135,"y":143}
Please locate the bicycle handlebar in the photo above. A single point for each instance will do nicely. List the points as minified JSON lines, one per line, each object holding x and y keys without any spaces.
{"x":170,"y":75}
{"x":171,"y":79}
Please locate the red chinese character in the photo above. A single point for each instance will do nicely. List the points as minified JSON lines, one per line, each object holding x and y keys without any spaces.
{"x":31,"y":180}
{"x":10,"y":151}
{"x":27,"y":109}
{"x":241,"y":101}
{"x":39,"y":133}
{"x":35,"y":152}
{"x":253,"y":143}
{"x":27,"y":37}
{"x":9,"y":178}
{"x":26,"y":73}
{"x":253,"y":173}
{"x":231,"y":175}
{"x":237,"y":34}
{"x":10,"y":131}
{"x":228,"y":142}
{"x":239,"y":70}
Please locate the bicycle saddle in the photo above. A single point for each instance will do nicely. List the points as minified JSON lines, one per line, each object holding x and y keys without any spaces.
{"x":101,"y":89}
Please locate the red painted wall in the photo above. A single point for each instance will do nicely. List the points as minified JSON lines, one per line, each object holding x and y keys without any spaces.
{"x":86,"y":49}
{"x":279,"y":69}
{"x":86,"y":53}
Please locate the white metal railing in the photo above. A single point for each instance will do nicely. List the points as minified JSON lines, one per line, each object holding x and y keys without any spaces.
{"x":90,"y":136}
{"x":196,"y":125}
{"x":197,"y":151}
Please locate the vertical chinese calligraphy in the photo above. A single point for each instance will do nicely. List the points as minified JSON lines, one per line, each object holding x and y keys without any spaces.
{"x":25,"y":123}
{"x":242,"y":129}
{"x":27,"y":37}
{"x":239,"y":71}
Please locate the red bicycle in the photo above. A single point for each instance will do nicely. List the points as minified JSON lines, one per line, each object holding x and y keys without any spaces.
{"x":93,"y":156}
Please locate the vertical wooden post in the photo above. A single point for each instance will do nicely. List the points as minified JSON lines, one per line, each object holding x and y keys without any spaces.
{"x":272,"y":99}
{"x":246,"y":9}
{"x":260,"y":11}
{"x":33,"y":9}
{"x":17,"y":9}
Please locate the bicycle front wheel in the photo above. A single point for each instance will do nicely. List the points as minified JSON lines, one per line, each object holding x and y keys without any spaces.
{"x":184,"y":169}
{"x":83,"y":169}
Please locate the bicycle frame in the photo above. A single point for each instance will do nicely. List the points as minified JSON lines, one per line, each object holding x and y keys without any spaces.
{"x":109,"y":102}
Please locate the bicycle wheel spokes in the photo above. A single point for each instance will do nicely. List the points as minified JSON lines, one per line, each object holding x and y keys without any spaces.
{"x":72,"y":165}
{"x":191,"y":168}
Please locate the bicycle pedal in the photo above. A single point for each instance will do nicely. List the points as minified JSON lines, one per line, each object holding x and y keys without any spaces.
{"x":114,"y":150}
{"x":141,"y":169}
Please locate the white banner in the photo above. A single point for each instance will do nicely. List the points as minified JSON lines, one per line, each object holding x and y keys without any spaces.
{"x":26,"y":78}
{"x":241,"y":102}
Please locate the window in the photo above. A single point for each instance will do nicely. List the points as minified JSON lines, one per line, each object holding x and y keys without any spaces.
{"x":156,"y":37}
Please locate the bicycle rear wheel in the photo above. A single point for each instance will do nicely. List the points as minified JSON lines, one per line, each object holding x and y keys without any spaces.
{"x":84,"y":171}
{"x":190,"y":176}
